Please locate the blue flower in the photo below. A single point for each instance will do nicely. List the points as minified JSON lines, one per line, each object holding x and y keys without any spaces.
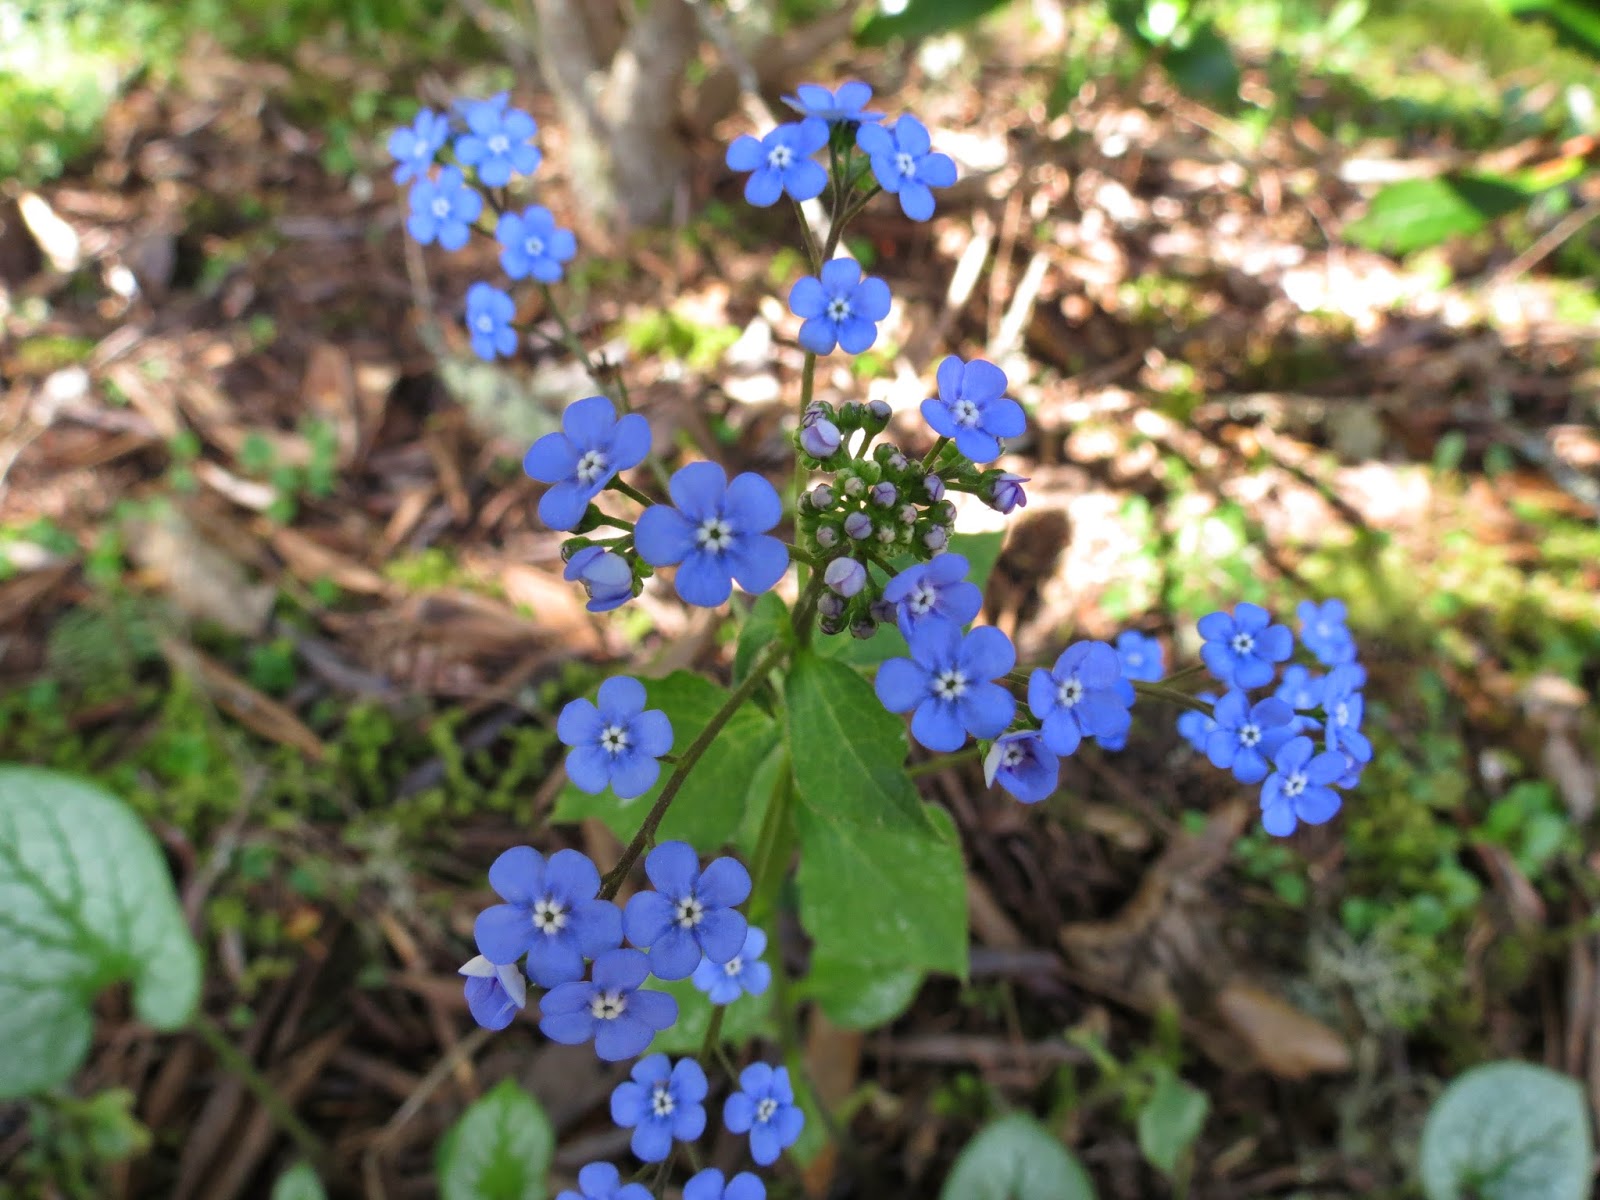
{"x":489,"y":313}
{"x":1117,"y":739}
{"x":607,"y":577}
{"x":691,"y":912}
{"x":1079,"y":697}
{"x":551,"y":914}
{"x":717,"y":531}
{"x":615,"y":742}
{"x":443,"y":210}
{"x":841,"y":308}
{"x":602,"y":1181}
{"x":1298,"y":789}
{"x":609,"y":1007}
{"x":1323,"y":630}
{"x":947,"y":681}
{"x":844,"y":104}
{"x":661,"y":1102}
{"x":591,"y":448}
{"x":1006,"y":494}
{"x":972,"y":408}
{"x":532,"y":244}
{"x":1195,"y":726}
{"x":934,"y":591}
{"x":1344,"y":706}
{"x":1023,"y":765}
{"x":903,"y":165}
{"x":1241,"y":649}
{"x":1141,"y":656}
{"x":414,"y":148}
{"x":709,"y":1185}
{"x":1301,"y":691}
{"x":764,"y":1108}
{"x":781,"y":162}
{"x":498,"y":142}
{"x":743,"y":974}
{"x":495,"y":991}
{"x":1248,"y":735}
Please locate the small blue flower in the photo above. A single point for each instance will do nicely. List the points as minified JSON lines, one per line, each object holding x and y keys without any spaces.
{"x":844,"y":104}
{"x":1022,"y":764}
{"x":660,"y":1103}
{"x":610,"y":1007}
{"x":709,"y":1185}
{"x":1241,"y":649}
{"x":532,"y":244}
{"x":717,"y":531}
{"x":972,"y":408}
{"x":415,"y":147}
{"x":607,"y":577}
{"x":781,"y":162}
{"x":498,"y":142}
{"x":1298,"y":789}
{"x":764,"y":1108}
{"x":903,"y":164}
{"x":495,"y":991}
{"x":1195,"y":726}
{"x":691,"y":912}
{"x":1117,"y":739}
{"x":602,"y":1181}
{"x":1079,"y":697}
{"x":489,"y":314}
{"x":616,"y":741}
{"x":1324,"y":632}
{"x":934,"y":591}
{"x":743,"y":974}
{"x":1301,"y":691}
{"x":1141,"y":656}
{"x":443,"y":210}
{"x":840,"y":308}
{"x":947,"y":682}
{"x":591,"y":448}
{"x":1344,"y":706}
{"x":1006,"y":493}
{"x":550,"y":913}
{"x":1248,"y":735}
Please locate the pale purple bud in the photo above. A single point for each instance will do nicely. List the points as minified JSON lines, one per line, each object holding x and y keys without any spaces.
{"x":858,"y":525}
{"x":908,"y":514}
{"x":831,"y":625}
{"x":883,"y":611}
{"x":897,"y":462}
{"x":821,"y":497}
{"x":845,"y":576}
{"x":936,"y":539}
{"x":826,"y":536}
{"x":829,"y":605}
{"x":934,"y":486}
{"x":853,"y":486}
{"x":1006,"y":493}
{"x":607,"y":577}
{"x":884,"y":494}
{"x":820,"y":439}
{"x":879,"y":411}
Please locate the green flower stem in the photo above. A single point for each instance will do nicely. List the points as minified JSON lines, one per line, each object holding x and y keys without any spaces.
{"x":799,"y":555}
{"x":647,"y":832}
{"x":805,"y":609}
{"x":805,"y":235}
{"x":940,"y":762}
{"x":615,"y":523}
{"x":1160,"y":691}
{"x":282,"y":1114}
{"x":631,"y":492}
{"x":1187,"y":675}
{"x":933,"y":457}
{"x":808,"y":382}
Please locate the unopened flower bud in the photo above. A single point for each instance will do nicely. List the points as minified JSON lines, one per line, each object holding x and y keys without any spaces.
{"x":878,"y":414}
{"x":826,"y":536}
{"x":934,"y":487}
{"x":1006,"y":493}
{"x":884,"y":494}
{"x":863,"y":628}
{"x":853,"y":486}
{"x":829,"y":605}
{"x":943,"y":512}
{"x":821,"y":438}
{"x":858,"y":525}
{"x":831,"y":625}
{"x":936,"y":539}
{"x":607,"y":577}
{"x":883,"y":611}
{"x":821,"y":497}
{"x":908,"y":514}
{"x":845,"y":576}
{"x":887,"y":534}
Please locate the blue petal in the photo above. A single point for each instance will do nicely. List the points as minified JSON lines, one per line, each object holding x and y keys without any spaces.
{"x":597,"y":927}
{"x":987,"y":709}
{"x":819,"y":335}
{"x":589,"y":768}
{"x":912,"y":136}
{"x":675,"y":954}
{"x":986,"y":653}
{"x":652,"y":733}
{"x":518,"y":874}
{"x":698,"y":490}
{"x":1042,"y":695}
{"x":900,"y":684}
{"x":589,"y":422}
{"x":551,"y":459}
{"x":1278,"y":818}
{"x":630,"y":1105}
{"x":704,"y":579}
{"x":563,"y":506}
{"x":570,"y":1029}
{"x":811,"y":136}
{"x":620,"y":970}
{"x":840,"y":275}
{"x":662,"y":535}
{"x":936,"y":726}
{"x":634,"y":774}
{"x":764,"y":188}
{"x":806,"y":297}
{"x":764,"y":1145}
{"x":938,"y":416}
{"x":745,"y":153}
{"x":623,"y":1038}
{"x":1317,"y":805}
{"x":656,"y":1009}
{"x":652,"y":1141}
{"x":752,"y":504}
{"x":916,"y":201}
{"x":630,"y":442}
{"x":488,"y":1003}
{"x":620,"y":699}
{"x":871,"y":299}
{"x":937,"y":170}
{"x":805,"y":180}
{"x":875,"y":140}
{"x":725,"y":883}
{"x":648,"y":916}
{"x":980,"y":447}
{"x":1005,"y":418}
{"x":856,"y":334}
{"x":504,"y":932}
{"x":552,"y":960}
{"x":720,"y":935}
{"x":674,"y":869}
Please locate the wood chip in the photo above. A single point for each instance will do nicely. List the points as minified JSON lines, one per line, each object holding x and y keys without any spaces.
{"x":1284,"y":1040}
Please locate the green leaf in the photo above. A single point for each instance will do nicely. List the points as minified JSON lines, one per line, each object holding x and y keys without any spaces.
{"x":768,"y":622}
{"x":85,"y":902}
{"x":1170,"y":1121}
{"x":1203,"y":67}
{"x":710,"y":805}
{"x":748,"y":1019}
{"x":856,"y":995}
{"x":982,"y":551}
{"x":1016,"y":1158}
{"x":299,"y":1182}
{"x":1508,"y":1131}
{"x":1575,"y":22}
{"x":923,"y":18}
{"x":1417,"y":213}
{"x":500,"y":1149}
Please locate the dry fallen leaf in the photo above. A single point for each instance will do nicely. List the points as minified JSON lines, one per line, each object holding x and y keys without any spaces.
{"x":201,"y":580}
{"x":1284,"y":1040}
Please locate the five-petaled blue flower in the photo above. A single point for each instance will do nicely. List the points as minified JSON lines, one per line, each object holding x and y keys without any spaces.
{"x":972,"y":408}
{"x":691,"y":912}
{"x":414,"y":147}
{"x":840,"y":308}
{"x":498,"y":142}
{"x":710,"y":1185}
{"x":947,"y":682}
{"x":489,"y":313}
{"x":532,"y":244}
{"x":615,"y":741}
{"x":1241,"y":649}
{"x":1022,"y":764}
{"x":1141,"y":656}
{"x":607,"y":577}
{"x":1195,"y":726}
{"x":661,"y":1102}
{"x":550,"y":913}
{"x":902,"y":162}
{"x":845,"y":103}
{"x":717,"y":532}
{"x":764,"y":1108}
{"x":443,"y":210}
{"x":1247,"y":735}
{"x":743,"y":974}
{"x":934,"y":591}
{"x":1298,"y":789}
{"x":1344,"y":706}
{"x":593,"y":446}
{"x":610,"y":1007}
{"x":495,"y":991}
{"x":1079,"y":697}
{"x":1323,"y":630}
{"x":602,"y":1181}
{"x":781,"y":162}
{"x":1301,"y":691}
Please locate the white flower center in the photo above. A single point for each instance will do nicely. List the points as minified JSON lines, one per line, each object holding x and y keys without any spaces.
{"x":534,"y":247}
{"x":549,"y":916}
{"x":779,"y":158}
{"x":965,"y":412}
{"x":922,"y":600}
{"x":905,"y":164}
{"x":1341,"y":713}
{"x":608,"y":1006}
{"x":485,"y":323}
{"x":499,"y":144}
{"x":1243,"y":643}
{"x":766,"y":1109}
{"x":951,"y":684}
{"x":1069,"y":692}
{"x":591,"y":466}
{"x":714,"y":534}
{"x":1249,"y":734}
{"x":1012,"y":755}
{"x":441,"y":207}
{"x":689,"y":913}
{"x":661,"y":1103}
{"x":614,"y":739}
{"x":1294,"y":785}
{"x":839,"y":309}
{"x":734,"y":967}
